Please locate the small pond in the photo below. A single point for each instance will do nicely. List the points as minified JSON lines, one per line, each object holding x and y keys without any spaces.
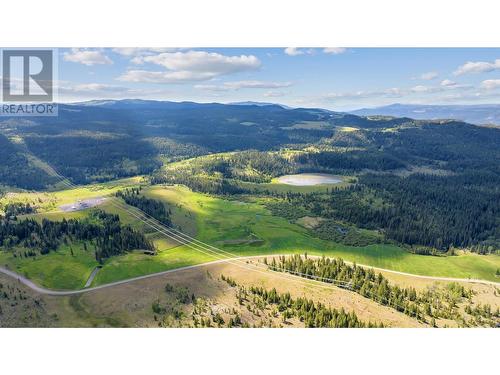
{"x":309,"y":179}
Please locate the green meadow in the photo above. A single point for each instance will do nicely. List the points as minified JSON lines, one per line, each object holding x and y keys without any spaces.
{"x":240,"y":228}
{"x":234,"y":226}
{"x":59,"y":269}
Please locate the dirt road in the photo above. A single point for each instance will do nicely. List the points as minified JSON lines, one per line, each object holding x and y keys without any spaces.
{"x":52,"y":292}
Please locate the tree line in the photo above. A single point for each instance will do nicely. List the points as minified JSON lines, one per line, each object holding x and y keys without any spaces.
{"x":425,"y":306}
{"x":151,"y":207}
{"x":208,"y":185}
{"x":18,"y":208}
{"x":313,"y":315}
{"x":103,"y":229}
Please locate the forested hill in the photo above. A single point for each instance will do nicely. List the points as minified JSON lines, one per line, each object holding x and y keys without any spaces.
{"x":16,"y":169}
{"x":103,"y":140}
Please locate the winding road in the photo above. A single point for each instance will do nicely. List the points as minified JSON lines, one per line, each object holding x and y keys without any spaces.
{"x":30,"y":284}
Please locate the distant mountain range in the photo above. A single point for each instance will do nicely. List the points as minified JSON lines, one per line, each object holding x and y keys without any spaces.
{"x":160,"y":104}
{"x":482,"y":114}
{"x":260,"y":104}
{"x":139,"y":104}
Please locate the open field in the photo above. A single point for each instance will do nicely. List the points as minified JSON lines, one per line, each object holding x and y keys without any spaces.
{"x":219,"y":219}
{"x":233,"y":226}
{"x":95,"y":190}
{"x":67,"y":268}
{"x":49,"y":202}
{"x":241,"y":228}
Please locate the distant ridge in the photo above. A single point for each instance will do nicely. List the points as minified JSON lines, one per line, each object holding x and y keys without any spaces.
{"x":137,"y":103}
{"x":260,"y":104}
{"x":480,"y":114}
{"x":158,"y":104}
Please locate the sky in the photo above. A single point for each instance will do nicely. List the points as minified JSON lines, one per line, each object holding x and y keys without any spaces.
{"x":332,"y":78}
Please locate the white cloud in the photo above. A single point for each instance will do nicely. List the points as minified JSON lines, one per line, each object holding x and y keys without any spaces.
{"x":93,"y":87}
{"x":334,"y":50}
{"x":133,"y":51}
{"x":212,"y":87}
{"x":448,"y":83}
{"x":137,"y":55}
{"x":429,"y":76}
{"x":274,"y":94}
{"x":445,"y":85}
{"x":190,"y":66}
{"x":393,"y":92}
{"x":484,"y":96}
{"x":293,"y":51}
{"x":421,"y":89}
{"x":257,"y":84}
{"x":236,"y":85}
{"x":477,"y":67}
{"x":87,"y":57}
{"x":73,"y":91}
{"x":490,"y":84}
{"x":137,"y":60}
{"x":148,"y":76}
{"x":72,"y":88}
{"x":206,"y":62}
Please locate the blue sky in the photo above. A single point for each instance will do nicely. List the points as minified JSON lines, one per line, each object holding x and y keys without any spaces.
{"x":333,"y":78}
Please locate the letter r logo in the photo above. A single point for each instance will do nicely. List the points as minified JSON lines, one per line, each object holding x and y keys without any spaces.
{"x":27,"y":75}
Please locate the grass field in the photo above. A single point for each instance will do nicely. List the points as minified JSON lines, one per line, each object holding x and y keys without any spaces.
{"x":58,"y":269}
{"x":218,"y":220}
{"x":238,"y":227}
{"x":94,"y":190}
{"x":49,"y":202}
